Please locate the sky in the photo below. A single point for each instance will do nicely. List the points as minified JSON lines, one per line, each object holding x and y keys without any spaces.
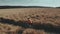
{"x":49,"y":3}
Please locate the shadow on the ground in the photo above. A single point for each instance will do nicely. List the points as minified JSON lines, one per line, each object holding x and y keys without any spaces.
{"x":46,"y":27}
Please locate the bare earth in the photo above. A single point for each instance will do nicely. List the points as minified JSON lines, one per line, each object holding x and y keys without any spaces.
{"x":45,"y":16}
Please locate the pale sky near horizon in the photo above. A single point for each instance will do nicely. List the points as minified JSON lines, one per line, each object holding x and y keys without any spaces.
{"x":49,"y":3}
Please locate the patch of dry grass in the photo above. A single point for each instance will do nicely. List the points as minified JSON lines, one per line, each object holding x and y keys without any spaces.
{"x":6,"y":29}
{"x":39,"y":16}
{"x":33,"y":31}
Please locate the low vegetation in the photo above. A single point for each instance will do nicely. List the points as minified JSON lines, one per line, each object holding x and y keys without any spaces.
{"x":45,"y":20}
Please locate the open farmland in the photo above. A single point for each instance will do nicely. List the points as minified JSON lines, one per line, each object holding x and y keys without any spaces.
{"x":45,"y":20}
